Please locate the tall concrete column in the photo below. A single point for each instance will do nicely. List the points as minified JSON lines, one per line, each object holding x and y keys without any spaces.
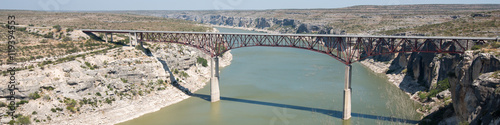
{"x":111,"y":40}
{"x":130,"y":39}
{"x":106,"y":37}
{"x":214,"y":80}
{"x":347,"y":93}
{"x":135,"y":39}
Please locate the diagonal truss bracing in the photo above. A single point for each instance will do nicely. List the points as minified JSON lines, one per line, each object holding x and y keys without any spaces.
{"x":345,"y":48}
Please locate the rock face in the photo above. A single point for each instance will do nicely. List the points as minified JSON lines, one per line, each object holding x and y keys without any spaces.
{"x":281,"y":25}
{"x":261,"y":23}
{"x":473,"y":78}
{"x":475,"y":89}
{"x":302,"y":29}
{"x":110,"y":87}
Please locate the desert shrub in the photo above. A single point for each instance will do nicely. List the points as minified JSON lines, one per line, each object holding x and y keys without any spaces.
{"x":65,"y":39}
{"x":124,"y":80}
{"x":34,"y":95}
{"x":24,"y":120}
{"x":3,"y":104}
{"x":441,"y":86}
{"x":49,"y":35}
{"x":21,"y":28}
{"x":176,"y":71}
{"x":57,"y":27}
{"x":476,"y":47}
{"x":202,"y":61}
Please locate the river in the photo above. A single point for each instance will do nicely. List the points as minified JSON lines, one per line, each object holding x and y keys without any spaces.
{"x":274,"y":85}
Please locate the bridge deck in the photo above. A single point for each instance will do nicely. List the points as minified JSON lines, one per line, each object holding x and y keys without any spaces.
{"x":315,"y":35}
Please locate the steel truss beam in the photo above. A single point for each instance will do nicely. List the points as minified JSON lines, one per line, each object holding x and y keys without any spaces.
{"x":345,"y":48}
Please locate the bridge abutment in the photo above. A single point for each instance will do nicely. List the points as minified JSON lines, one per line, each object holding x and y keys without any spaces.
{"x":347,"y":93}
{"x":214,"y":80}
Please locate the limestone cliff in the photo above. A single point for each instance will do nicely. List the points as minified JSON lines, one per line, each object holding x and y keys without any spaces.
{"x":475,"y":89}
{"x":452,"y":88}
{"x":281,"y":25}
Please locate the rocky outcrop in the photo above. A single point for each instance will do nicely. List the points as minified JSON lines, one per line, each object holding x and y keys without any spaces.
{"x":473,"y":78}
{"x":261,"y":23}
{"x":302,"y":29}
{"x":475,"y":89}
{"x":110,"y":87}
{"x":280,"y":25}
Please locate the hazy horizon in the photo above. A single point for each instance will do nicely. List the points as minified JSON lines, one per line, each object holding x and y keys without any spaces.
{"x":192,"y":5}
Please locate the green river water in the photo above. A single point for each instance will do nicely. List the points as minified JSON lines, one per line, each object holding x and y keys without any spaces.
{"x":280,"y":86}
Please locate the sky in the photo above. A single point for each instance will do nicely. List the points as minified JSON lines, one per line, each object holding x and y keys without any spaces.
{"x":99,"y":5}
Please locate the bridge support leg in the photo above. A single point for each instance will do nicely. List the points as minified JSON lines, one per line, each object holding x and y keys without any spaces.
{"x":140,"y":43}
{"x":135,"y":40}
{"x":130,"y":39}
{"x":111,"y":36}
{"x":106,"y":37}
{"x":214,"y":80}
{"x":347,"y":93}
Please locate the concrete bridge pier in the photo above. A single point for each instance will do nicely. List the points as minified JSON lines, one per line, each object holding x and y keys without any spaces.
{"x":106,"y":37}
{"x":214,"y":80}
{"x":130,"y":40}
{"x":347,"y":93}
{"x":111,"y":37}
{"x":136,"y":40}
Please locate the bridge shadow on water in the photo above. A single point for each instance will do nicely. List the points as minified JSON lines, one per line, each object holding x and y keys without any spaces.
{"x":333,"y":113}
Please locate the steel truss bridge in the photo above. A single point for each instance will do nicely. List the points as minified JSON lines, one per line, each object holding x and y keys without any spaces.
{"x":347,"y":49}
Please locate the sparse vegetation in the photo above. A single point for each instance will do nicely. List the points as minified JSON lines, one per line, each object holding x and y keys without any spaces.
{"x":34,"y":95}
{"x":184,"y":74}
{"x":21,"y":102}
{"x":202,"y":61}
{"x":23,"y":120}
{"x":57,"y":27}
{"x":70,"y":104}
{"x":476,"y":47}
{"x":176,"y":71}
{"x":496,"y":74}
{"x":441,"y":86}
{"x":3,"y":104}
{"x":49,"y":35}
{"x":124,"y":80}
{"x":66,"y":39}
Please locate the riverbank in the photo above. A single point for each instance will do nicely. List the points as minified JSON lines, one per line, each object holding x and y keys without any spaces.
{"x":117,"y":85}
{"x":129,"y":108}
{"x":193,"y":83}
{"x":399,"y":79}
{"x":171,"y":96}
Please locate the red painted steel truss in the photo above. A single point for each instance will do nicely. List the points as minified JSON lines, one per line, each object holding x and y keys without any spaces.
{"x":346,"y":49}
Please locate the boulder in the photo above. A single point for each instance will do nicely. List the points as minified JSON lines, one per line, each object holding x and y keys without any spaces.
{"x":444,"y":94}
{"x":72,"y":82}
{"x":67,"y":69}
